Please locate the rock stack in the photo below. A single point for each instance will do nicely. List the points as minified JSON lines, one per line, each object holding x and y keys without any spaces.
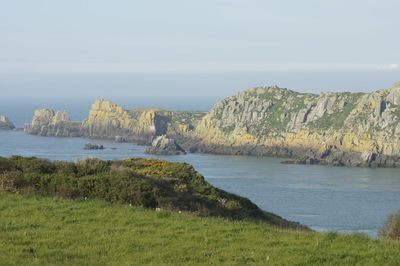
{"x":5,"y":123}
{"x":47,"y":122}
{"x":165,"y":146}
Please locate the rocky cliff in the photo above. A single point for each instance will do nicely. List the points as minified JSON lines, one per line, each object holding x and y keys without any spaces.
{"x":108,"y":120}
{"x":360,"y":129}
{"x":47,"y":122}
{"x":5,"y":123}
{"x":356,"y":129}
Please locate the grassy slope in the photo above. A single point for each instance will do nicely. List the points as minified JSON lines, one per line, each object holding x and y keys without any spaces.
{"x":38,"y":230}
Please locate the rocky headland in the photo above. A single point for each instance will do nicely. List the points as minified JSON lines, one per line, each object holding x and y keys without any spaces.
{"x":353,"y":129}
{"x":5,"y":123}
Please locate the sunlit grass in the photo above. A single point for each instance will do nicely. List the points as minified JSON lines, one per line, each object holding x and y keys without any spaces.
{"x":38,"y":230}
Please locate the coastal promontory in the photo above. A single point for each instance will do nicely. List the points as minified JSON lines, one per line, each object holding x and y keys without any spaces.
{"x":331,"y":128}
{"x":356,"y":129}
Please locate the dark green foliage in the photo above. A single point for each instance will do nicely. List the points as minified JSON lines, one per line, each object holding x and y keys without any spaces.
{"x":139,"y":182}
{"x":391,"y":228}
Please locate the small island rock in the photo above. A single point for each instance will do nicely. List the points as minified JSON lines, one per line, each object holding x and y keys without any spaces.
{"x":90,"y":146}
{"x":5,"y":123}
{"x":47,"y":122}
{"x":165,"y":146}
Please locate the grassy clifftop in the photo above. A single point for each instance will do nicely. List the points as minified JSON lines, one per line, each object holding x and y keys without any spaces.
{"x":41,"y":230}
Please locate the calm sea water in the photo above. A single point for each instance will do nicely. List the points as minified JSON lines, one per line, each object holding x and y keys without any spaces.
{"x":324,"y":198}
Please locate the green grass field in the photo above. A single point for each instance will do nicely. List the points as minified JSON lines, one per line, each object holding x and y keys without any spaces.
{"x":38,"y":230}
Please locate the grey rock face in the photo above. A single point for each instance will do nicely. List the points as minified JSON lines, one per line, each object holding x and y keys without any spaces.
{"x":5,"y":123}
{"x":363,"y":128}
{"x":394,"y":95}
{"x":165,"y":146}
{"x":47,"y":122}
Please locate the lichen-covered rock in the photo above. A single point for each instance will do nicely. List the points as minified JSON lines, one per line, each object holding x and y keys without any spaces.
{"x":394,"y":95}
{"x":165,"y":146}
{"x":5,"y":123}
{"x":109,"y":120}
{"x":356,"y":129}
{"x":275,"y":121}
{"x":47,"y":122}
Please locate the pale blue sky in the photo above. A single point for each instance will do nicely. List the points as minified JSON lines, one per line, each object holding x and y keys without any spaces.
{"x":208,"y":35}
{"x":53,"y":37}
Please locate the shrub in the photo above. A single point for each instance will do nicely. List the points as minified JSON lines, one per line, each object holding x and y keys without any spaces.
{"x":9,"y":181}
{"x":91,"y":166}
{"x":391,"y":228}
{"x":31,"y":164}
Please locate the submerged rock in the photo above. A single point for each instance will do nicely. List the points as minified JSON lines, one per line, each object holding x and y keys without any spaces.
{"x":165,"y":146}
{"x":5,"y":123}
{"x":90,"y":146}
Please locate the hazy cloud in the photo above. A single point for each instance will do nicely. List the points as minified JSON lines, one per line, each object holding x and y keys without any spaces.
{"x":391,"y":67}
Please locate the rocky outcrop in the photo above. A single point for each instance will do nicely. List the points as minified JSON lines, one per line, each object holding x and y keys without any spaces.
{"x":331,"y":128}
{"x":109,"y":120}
{"x":90,"y":146}
{"x":165,"y":146}
{"x":5,"y":123}
{"x":47,"y":122}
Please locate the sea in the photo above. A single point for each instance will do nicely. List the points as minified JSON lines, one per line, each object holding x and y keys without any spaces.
{"x":325,"y":198}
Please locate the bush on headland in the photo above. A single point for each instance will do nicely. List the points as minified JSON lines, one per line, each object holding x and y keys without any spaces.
{"x":391,"y":228}
{"x":136,"y":181}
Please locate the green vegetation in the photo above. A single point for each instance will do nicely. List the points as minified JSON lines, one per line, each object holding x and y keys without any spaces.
{"x":139,"y":182}
{"x":38,"y":230}
{"x":283,"y":107}
{"x":192,"y":118}
{"x":391,"y":228}
{"x":140,"y":211}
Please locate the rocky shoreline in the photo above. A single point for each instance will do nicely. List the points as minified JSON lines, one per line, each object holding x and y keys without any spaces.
{"x":340,"y":129}
{"x":306,"y":156}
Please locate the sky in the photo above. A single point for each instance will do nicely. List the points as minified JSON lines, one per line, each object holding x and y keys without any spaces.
{"x":143,"y":48}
